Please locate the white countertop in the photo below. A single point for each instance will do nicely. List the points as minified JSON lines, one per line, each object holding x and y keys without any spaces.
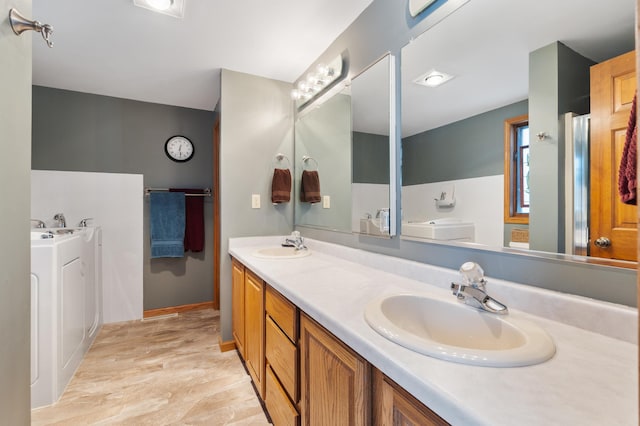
{"x":591,"y":380}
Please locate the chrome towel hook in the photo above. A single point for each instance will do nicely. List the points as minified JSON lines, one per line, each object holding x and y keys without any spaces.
{"x":20,"y":24}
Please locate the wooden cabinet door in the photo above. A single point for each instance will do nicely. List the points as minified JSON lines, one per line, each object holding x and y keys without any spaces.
{"x":335,"y":381}
{"x":392,"y":405}
{"x":613,"y":84}
{"x":254,"y":329}
{"x":237,"y":314}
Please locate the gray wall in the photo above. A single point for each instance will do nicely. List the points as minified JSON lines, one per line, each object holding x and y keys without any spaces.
{"x":75,"y":131}
{"x":256,"y":123}
{"x":15,"y":254}
{"x":469,"y":148}
{"x":558,"y":83}
{"x":385,"y":26}
{"x":370,"y":158}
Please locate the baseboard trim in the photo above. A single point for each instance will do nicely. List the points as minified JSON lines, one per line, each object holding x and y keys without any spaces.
{"x":177,"y":309}
{"x":229,"y":345}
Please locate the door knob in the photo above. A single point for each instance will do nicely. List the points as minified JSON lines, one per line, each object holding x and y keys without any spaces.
{"x":602,"y":242}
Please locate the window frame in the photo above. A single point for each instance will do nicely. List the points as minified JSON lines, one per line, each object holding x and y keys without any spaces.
{"x":511,"y":126}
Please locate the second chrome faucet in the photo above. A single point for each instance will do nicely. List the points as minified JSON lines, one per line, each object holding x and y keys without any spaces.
{"x":474,"y":293}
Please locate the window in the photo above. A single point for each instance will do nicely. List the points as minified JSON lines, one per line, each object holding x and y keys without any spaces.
{"x":516,"y":169}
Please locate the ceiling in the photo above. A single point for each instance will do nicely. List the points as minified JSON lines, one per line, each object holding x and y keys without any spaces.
{"x":113,"y":48}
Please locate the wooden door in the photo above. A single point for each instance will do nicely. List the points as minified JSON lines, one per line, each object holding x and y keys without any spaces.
{"x":254,"y":329}
{"x":335,"y":381}
{"x":613,"y":84}
{"x":237,"y":301}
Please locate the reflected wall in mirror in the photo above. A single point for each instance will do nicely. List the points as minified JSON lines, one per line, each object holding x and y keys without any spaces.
{"x":345,"y":140}
{"x":323,"y":138}
{"x":370,"y":102}
{"x":540,"y":66}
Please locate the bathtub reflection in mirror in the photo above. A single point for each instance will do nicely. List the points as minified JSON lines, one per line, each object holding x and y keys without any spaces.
{"x":453,"y":134}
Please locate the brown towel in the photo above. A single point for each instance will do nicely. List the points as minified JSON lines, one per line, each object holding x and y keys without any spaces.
{"x":310,"y":187}
{"x":627,"y":182}
{"x":281,"y":186}
{"x":194,"y":219}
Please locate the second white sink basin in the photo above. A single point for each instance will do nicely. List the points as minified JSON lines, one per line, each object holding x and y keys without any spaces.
{"x":457,"y":332}
{"x":281,"y":253}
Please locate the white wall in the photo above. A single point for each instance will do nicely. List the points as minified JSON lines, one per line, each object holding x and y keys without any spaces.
{"x":115,"y":202}
{"x":367,"y":198}
{"x":478,"y":200}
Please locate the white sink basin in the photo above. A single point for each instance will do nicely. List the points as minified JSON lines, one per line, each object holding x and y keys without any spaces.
{"x":457,"y":332}
{"x":281,"y":253}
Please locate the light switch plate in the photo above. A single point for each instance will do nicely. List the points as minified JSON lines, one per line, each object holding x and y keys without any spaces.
{"x":255,"y":201}
{"x":326,"y":202}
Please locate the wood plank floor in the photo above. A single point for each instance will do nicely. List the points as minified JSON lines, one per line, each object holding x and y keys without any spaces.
{"x":160,"y":372}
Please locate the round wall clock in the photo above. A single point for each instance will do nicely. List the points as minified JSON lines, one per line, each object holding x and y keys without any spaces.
{"x":179,"y":148}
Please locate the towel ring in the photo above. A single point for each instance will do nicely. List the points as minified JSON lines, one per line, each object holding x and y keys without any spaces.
{"x":306,"y":159}
{"x":280,"y":156}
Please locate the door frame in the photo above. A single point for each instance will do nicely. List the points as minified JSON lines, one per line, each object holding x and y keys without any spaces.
{"x":216,"y":214}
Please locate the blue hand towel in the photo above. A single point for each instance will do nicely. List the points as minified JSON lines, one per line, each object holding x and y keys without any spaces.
{"x":167,"y":213}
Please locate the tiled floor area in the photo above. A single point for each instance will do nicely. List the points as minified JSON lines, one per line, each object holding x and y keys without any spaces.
{"x":160,"y":372}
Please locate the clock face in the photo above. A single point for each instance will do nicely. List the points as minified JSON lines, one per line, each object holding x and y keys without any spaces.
{"x":179,"y":148}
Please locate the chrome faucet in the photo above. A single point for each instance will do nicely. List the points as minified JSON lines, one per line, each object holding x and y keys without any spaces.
{"x":39,"y":223}
{"x":474,"y":293}
{"x":62,"y":222}
{"x":83,"y":222}
{"x":296,"y":241}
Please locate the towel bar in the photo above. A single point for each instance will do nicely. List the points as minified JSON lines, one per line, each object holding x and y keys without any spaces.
{"x":206,"y":193}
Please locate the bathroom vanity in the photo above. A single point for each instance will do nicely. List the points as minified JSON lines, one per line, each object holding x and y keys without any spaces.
{"x":307,"y":315}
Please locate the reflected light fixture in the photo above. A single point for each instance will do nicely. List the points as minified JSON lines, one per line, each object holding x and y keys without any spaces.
{"x":417,"y":6}
{"x":316,"y":81}
{"x":160,"y":4}
{"x":173,"y":8}
{"x":433,"y":78}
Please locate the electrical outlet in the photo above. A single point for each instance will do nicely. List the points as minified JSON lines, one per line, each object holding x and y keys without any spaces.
{"x":255,"y":201}
{"x":326,"y":202}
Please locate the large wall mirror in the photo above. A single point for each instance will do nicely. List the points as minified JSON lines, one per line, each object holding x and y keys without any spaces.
{"x":510,"y":84}
{"x":348,"y":140}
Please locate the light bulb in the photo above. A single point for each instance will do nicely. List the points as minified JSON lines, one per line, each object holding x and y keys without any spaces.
{"x":434,"y":80}
{"x":160,"y":4}
{"x":322,"y":69}
{"x":295,"y":94}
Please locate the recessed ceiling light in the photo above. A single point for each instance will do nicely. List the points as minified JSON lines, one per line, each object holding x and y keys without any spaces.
{"x":173,"y":8}
{"x":160,"y":4}
{"x":433,"y":78}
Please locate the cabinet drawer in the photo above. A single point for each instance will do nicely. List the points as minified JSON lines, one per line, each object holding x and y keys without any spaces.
{"x":281,"y":354}
{"x":280,"y":409}
{"x":283,"y":313}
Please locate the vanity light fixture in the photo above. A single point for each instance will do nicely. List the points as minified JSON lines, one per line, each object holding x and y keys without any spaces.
{"x":317,"y":80}
{"x":173,"y":8}
{"x":433,"y":78}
